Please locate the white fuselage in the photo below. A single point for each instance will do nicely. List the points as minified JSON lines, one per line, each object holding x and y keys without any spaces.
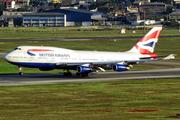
{"x":35,"y":54}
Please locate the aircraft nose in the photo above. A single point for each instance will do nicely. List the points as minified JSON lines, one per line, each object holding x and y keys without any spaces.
{"x":6,"y":57}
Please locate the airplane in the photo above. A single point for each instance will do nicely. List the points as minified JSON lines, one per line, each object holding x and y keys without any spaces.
{"x":86,"y":62}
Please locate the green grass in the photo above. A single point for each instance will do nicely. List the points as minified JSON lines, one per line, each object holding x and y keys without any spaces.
{"x":105,"y":45}
{"x":35,"y":33}
{"x":94,"y":101}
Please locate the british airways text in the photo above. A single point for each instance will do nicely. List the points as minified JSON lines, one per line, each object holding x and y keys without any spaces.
{"x":53,"y":55}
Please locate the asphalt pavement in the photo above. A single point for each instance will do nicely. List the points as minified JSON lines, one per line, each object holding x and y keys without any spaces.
{"x":36,"y":79}
{"x":79,"y":39}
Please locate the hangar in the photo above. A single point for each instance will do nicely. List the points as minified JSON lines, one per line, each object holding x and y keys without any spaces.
{"x":77,"y":17}
{"x":44,"y":19}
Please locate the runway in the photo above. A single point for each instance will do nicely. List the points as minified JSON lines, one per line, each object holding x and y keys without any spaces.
{"x":36,"y":79}
{"x":81,"y":39}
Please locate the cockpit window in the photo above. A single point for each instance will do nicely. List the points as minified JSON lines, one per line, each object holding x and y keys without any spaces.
{"x":17,"y":49}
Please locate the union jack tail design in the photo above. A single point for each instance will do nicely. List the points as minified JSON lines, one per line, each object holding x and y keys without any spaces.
{"x":147,"y":44}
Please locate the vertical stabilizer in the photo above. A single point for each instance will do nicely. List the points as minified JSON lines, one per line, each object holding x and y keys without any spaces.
{"x":147,"y":44}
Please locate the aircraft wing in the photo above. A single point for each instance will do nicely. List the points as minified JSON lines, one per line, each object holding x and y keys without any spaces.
{"x":128,"y":62}
{"x":103,"y":63}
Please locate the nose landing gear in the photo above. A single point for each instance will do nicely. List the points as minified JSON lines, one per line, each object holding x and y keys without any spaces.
{"x":20,"y":69}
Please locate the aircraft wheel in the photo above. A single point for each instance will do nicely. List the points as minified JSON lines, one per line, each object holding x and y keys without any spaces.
{"x":78,"y":74}
{"x":67,"y":74}
{"x":85,"y":74}
{"x":21,"y":73}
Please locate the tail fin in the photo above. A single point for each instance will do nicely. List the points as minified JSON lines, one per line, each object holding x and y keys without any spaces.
{"x":147,"y":44}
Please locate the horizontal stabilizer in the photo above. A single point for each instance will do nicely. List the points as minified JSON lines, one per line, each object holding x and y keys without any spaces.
{"x":154,"y":56}
{"x":171,"y":56}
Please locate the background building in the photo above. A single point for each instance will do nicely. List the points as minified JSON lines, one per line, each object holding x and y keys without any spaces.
{"x":177,"y":3}
{"x":156,"y":6}
{"x":44,"y":19}
{"x":57,"y":1}
{"x":18,"y":5}
{"x":14,"y":18}
{"x":9,"y":4}
{"x":24,"y":2}
{"x":174,"y":16}
{"x":77,"y":17}
{"x":133,"y":17}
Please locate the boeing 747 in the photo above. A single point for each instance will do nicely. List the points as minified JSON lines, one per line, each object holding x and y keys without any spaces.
{"x":85,"y":62}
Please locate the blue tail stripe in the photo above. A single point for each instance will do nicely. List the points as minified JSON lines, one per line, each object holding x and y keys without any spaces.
{"x":149,"y":44}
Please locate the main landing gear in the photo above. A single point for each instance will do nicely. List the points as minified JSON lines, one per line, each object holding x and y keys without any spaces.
{"x":20,"y":71}
{"x":68,"y":73}
{"x":83,"y":74}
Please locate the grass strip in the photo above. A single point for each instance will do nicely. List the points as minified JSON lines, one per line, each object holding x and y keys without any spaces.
{"x":40,"y":33}
{"x":132,"y":100}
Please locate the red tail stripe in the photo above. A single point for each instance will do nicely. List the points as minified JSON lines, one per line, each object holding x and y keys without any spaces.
{"x":142,"y":51}
{"x":153,"y":35}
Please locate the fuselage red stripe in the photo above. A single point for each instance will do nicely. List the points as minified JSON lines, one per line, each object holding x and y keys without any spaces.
{"x":38,"y":50}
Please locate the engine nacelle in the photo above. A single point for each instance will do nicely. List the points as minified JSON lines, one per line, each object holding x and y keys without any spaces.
{"x":84,"y":69}
{"x":120,"y":67}
{"x":46,"y":69}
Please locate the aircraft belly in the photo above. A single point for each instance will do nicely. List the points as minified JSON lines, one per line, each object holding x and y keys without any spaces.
{"x":34,"y":64}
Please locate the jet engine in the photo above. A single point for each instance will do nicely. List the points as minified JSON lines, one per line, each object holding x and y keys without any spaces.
{"x":84,"y":69}
{"x":120,"y":67}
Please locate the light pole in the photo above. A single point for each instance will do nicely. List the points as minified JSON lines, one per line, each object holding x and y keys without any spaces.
{"x":144,"y":19}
